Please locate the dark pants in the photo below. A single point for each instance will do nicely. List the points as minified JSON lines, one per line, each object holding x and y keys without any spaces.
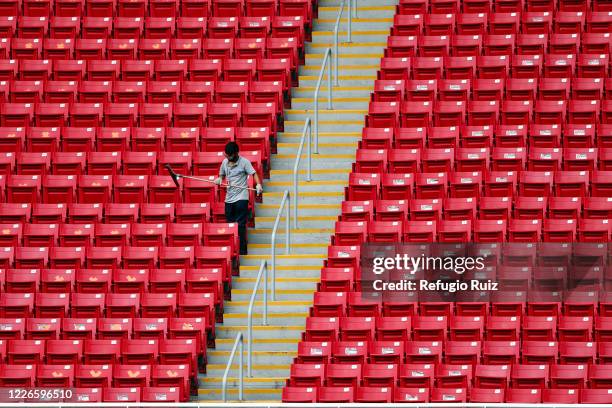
{"x":238,"y":212}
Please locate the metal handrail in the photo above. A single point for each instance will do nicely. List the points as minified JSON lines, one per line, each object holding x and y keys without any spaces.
{"x":285,"y":201}
{"x":327,"y":57}
{"x":349,"y":30}
{"x":238,"y":342}
{"x":307,"y":127}
{"x":263,"y":271}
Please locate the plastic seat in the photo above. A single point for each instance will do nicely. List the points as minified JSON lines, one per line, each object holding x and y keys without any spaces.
{"x":299,"y":394}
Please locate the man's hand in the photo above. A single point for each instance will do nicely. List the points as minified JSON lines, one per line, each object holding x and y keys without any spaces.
{"x":259,"y":189}
{"x":218,"y":181}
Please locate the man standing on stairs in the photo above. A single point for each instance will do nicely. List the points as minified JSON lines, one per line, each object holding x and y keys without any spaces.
{"x":236,"y":170}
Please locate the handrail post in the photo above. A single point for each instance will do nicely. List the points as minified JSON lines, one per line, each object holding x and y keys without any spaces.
{"x":284,"y":201}
{"x":329,"y":87}
{"x":306,"y":131}
{"x":336,"y":53}
{"x":237,"y":343}
{"x":288,"y":226}
{"x":263,"y":271}
{"x":349,"y":33}
{"x":349,"y":22}
{"x":327,"y":58}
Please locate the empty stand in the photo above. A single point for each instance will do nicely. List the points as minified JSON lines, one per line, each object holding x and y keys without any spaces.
{"x":487,"y":123}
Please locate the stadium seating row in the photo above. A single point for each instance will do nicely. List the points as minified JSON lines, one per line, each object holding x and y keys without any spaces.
{"x":272,"y":71}
{"x":483,"y":22}
{"x":493,"y":67}
{"x":567,"y":136}
{"x":412,"y":7}
{"x":160,"y":8}
{"x":445,"y":395}
{"x":60,"y":27}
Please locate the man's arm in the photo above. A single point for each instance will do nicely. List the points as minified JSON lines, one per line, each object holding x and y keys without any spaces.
{"x":219,"y":179}
{"x":256,"y":178}
{"x":250,"y":170}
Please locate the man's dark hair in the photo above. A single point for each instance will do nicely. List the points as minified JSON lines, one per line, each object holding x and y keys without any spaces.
{"x":231,"y":148}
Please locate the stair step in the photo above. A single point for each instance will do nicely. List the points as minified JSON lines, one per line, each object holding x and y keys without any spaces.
{"x":357,"y":47}
{"x":357,"y":36}
{"x":317,"y":174}
{"x":262,"y":344}
{"x":276,"y":306}
{"x":332,"y":3}
{"x":297,"y":294}
{"x":262,"y":394}
{"x":250,"y":382}
{"x":303,"y":222}
{"x":300,"y":115}
{"x":348,"y":151}
{"x":259,"y":357}
{"x":324,"y":137}
{"x":216,"y":371}
{"x":307,"y":197}
{"x":311,"y":80}
{"x":303,"y":272}
{"x":342,"y":68}
{"x":282,"y":259}
{"x":282,"y":332}
{"x":320,"y":186}
{"x":370,"y":11}
{"x":338,"y":93}
{"x":256,"y":249}
{"x":351,"y":102}
{"x":315,"y":58}
{"x":291,"y":318}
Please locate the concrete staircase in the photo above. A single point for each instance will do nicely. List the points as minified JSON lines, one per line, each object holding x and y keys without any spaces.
{"x":275,"y":345}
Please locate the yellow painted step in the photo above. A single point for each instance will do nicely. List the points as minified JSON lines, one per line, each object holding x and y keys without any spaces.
{"x":339,"y":88}
{"x":308,"y":245}
{"x":270,"y":315}
{"x":247,"y":380}
{"x":321,"y":145}
{"x":359,"y":8}
{"x":325,"y":122}
{"x":352,"y":56}
{"x":340,"y":77}
{"x":293,"y":231}
{"x":261,"y":341}
{"x":255,"y":366}
{"x":351,"y":45}
{"x":255,"y":352}
{"x":300,"y":218}
{"x":278,"y":291}
{"x":307,"y":183}
{"x":356,"y":20}
{"x":262,"y":328}
{"x":236,"y":303}
{"x":335,"y":99}
{"x":344,"y":67}
{"x":354,"y":32}
{"x":322,"y":135}
{"x":234,"y":394}
{"x":309,"y":206}
{"x":283,"y":267}
{"x":320,"y":156}
{"x":310,"y":193}
{"x":314,"y":171}
{"x":282,"y":256}
{"x":327,"y":112}
{"x":251,"y":280}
